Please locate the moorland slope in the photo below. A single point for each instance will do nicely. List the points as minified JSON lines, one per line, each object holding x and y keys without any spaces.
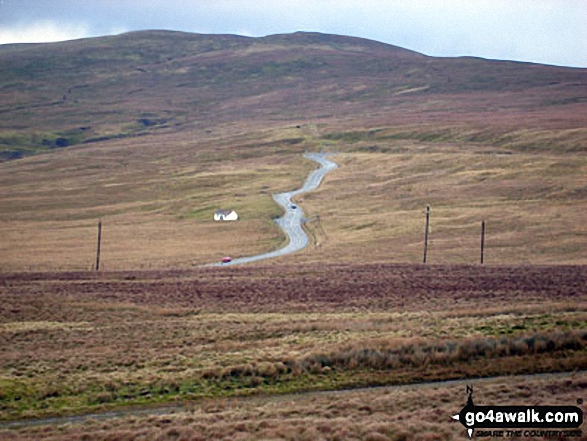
{"x":152,"y":131}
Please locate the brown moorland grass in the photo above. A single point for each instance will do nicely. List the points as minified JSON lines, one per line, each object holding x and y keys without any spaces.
{"x":406,"y":413}
{"x":163,"y":128}
{"x":370,"y":209}
{"x":156,"y":200}
{"x":156,"y":81}
{"x":373,"y":207}
{"x":73,"y":342}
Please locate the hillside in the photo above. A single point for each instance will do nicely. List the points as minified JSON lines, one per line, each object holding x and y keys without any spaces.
{"x":135,"y":83}
{"x":151,"y":131}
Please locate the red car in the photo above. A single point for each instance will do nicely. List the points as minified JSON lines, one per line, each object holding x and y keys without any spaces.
{"x":226,"y":259}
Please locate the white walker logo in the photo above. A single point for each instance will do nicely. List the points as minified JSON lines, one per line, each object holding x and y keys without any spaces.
{"x":518,"y":420}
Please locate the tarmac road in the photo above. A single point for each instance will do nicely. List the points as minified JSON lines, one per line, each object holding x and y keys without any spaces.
{"x":291,"y":221}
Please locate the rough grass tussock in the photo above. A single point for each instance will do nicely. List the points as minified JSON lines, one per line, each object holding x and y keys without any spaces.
{"x":389,"y":355}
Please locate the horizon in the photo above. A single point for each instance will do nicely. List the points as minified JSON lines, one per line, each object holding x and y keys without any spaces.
{"x":289,"y":33}
{"x":539,"y":31}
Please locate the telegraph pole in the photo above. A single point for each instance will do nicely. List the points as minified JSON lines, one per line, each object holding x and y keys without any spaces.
{"x":426,"y":234}
{"x":483,"y":242}
{"x":99,"y":242}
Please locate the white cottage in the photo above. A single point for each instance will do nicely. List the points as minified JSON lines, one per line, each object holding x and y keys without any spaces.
{"x":225,"y":215}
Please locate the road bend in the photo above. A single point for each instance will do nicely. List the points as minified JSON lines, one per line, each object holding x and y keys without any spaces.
{"x":291,"y":222}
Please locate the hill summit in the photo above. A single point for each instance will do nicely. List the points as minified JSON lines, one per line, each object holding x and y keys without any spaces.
{"x":61,"y":94}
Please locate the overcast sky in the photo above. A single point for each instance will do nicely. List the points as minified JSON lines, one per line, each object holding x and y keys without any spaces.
{"x":543,"y":31}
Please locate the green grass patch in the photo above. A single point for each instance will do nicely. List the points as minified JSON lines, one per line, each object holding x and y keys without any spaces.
{"x":356,"y":365}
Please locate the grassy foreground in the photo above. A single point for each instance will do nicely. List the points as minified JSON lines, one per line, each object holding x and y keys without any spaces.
{"x":83,"y":342}
{"x":407,"y":413}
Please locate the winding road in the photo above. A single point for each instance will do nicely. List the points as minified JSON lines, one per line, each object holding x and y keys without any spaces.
{"x":291,"y":221}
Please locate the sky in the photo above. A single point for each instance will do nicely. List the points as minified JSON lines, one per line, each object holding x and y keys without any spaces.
{"x":540,"y":31}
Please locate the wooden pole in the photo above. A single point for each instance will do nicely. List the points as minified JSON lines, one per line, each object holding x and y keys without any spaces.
{"x":322,"y":230}
{"x":99,"y":243}
{"x":426,"y":234}
{"x":483,"y":242}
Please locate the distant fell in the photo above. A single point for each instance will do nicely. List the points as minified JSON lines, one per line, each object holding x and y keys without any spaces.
{"x":99,"y":89}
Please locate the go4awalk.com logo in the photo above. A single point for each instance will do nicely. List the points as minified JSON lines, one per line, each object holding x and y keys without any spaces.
{"x":520,"y":421}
